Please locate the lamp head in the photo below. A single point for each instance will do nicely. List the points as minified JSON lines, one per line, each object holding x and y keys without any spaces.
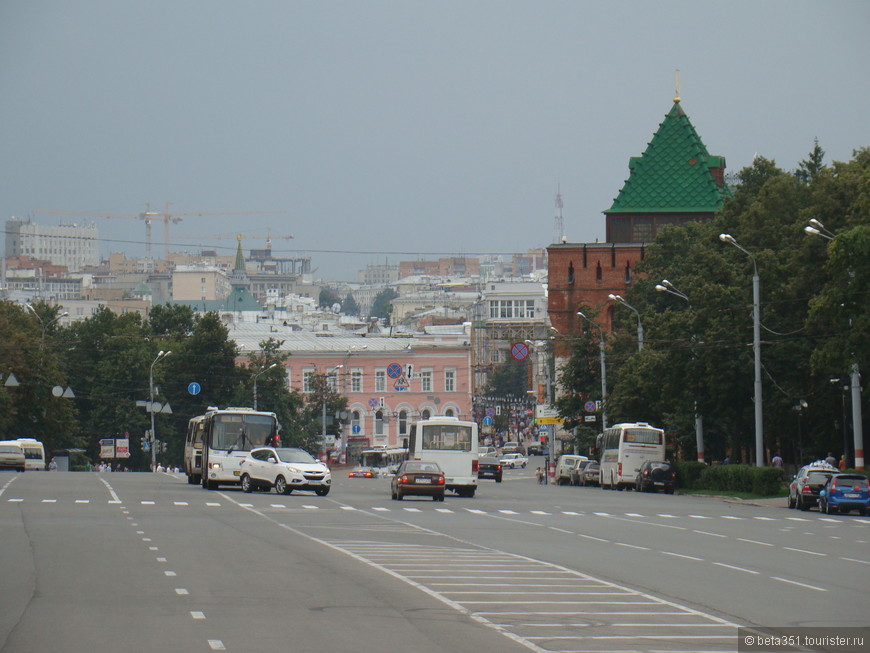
{"x":727,"y":238}
{"x":661,"y":288}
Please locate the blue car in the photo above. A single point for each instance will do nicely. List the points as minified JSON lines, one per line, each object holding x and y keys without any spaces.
{"x":845,"y":492}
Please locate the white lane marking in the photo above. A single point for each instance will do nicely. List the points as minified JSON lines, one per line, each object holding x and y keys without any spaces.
{"x":633,"y":546}
{"x":348,"y":508}
{"x":633,"y":514}
{"x":216,"y":645}
{"x":146,"y":539}
{"x":277,"y":505}
{"x":147,"y":503}
{"x":212,"y":504}
{"x":699,"y":517}
{"x":730,"y":517}
{"x":764,"y":518}
{"x":196,"y":614}
{"x":153,"y":548}
{"x":412,"y":510}
{"x":169,"y":573}
{"x":743,"y":539}
{"x":748,"y":571}
{"x":83,"y":500}
{"x":601,"y":514}
{"x":560,"y":530}
{"x":308,"y":507}
{"x":161,"y":559}
{"x":509,"y":512}
{"x":181,"y":591}
{"x":381,"y":509}
{"x":180,"y":503}
{"x":476,"y":511}
{"x":15,"y":500}
{"x":571,"y":512}
{"x":797,"y":518}
{"x":539,"y":512}
{"x":592,"y":537}
{"x":114,"y":496}
{"x":794,"y":582}
{"x":681,"y":555}
{"x":666,"y":515}
{"x":710,"y":534}
{"x":863,"y":562}
{"x":443,"y":510}
{"x":49,"y":501}
{"x":812,"y":553}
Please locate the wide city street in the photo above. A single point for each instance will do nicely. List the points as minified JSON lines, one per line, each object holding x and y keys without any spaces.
{"x":139,"y":562}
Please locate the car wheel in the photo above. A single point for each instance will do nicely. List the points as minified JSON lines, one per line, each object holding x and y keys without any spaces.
{"x":246,"y":483}
{"x":441,"y":497}
{"x":524,"y":465}
{"x":792,"y":504}
{"x":669,"y":490}
{"x":399,"y":495}
{"x":498,"y":479}
{"x":321,"y":491}
{"x":829,"y":509}
{"x":281,"y":485}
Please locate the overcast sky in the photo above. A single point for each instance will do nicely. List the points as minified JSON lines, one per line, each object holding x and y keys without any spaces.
{"x":381,"y":131}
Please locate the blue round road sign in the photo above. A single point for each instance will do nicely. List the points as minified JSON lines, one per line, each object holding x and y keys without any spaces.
{"x":520,"y":351}
{"x":194,"y":388}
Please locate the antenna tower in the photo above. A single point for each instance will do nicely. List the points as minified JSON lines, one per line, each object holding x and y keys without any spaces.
{"x":558,"y":225}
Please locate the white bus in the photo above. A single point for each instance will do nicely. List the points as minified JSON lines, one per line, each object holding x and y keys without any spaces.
{"x":384,"y":459}
{"x":193,"y":449}
{"x":34,"y":453}
{"x":228,"y":435}
{"x":624,"y":448}
{"x":453,"y":445}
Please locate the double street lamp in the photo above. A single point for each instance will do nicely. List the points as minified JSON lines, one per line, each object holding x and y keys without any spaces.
{"x":619,"y":300}
{"x":756,"y":348}
{"x":45,"y":324}
{"x":161,"y":355}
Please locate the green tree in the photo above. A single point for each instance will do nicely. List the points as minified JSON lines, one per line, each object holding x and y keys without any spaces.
{"x":382,"y":306}
{"x":349,"y":305}
{"x":328,"y":298}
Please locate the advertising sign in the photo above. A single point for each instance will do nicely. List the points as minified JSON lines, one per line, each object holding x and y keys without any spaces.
{"x":107,"y":448}
{"x":122,"y":448}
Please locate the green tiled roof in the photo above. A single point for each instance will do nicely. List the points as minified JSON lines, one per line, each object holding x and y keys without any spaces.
{"x":673,"y":174}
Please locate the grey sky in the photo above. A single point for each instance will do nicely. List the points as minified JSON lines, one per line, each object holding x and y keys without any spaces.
{"x":392,"y":130}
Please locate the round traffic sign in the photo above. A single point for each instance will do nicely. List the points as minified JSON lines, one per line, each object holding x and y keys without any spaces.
{"x":589,"y":406}
{"x":394,"y":370}
{"x":194,"y":388}
{"x":520,"y":351}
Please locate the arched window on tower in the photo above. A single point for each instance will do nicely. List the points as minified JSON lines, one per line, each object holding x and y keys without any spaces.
{"x":627,"y":272}
{"x":571,"y":272}
{"x":598,"y":271}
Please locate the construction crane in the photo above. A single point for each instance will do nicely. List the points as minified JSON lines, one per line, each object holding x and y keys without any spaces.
{"x":148,"y":216}
{"x":238,"y":236}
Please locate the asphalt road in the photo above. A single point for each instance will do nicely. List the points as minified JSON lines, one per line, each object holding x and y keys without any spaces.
{"x":140,"y":562}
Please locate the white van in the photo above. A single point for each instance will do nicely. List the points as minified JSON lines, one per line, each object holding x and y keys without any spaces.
{"x":565,"y":465}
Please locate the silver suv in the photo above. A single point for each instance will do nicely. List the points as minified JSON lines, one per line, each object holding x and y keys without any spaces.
{"x":285,"y":469}
{"x":803,"y":491}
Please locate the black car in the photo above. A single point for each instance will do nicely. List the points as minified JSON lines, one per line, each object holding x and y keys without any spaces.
{"x":489,"y":468}
{"x":655,"y":474}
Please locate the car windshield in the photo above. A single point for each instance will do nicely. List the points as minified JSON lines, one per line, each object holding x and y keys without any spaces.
{"x":851,"y":481}
{"x":655,"y":465}
{"x":818,"y":478}
{"x":294,"y":456}
{"x":242,"y":432}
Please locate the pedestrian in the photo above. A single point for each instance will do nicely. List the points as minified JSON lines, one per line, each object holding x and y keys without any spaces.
{"x":539,"y":474}
{"x":831,"y":460}
{"x":777,"y":460}
{"x":52,"y":466}
{"x":842,"y":463}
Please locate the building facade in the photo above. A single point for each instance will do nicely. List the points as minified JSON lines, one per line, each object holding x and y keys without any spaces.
{"x":73,"y":246}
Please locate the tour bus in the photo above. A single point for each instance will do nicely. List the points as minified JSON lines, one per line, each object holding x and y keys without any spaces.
{"x":192,"y":462}
{"x":453,"y":445}
{"x":624,"y":448}
{"x":34,"y":453}
{"x":384,"y":459}
{"x":228,"y":434}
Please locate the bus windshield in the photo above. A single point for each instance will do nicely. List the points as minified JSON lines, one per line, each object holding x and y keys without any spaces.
{"x":238,"y":431}
{"x":643,"y":436}
{"x":445,"y":437}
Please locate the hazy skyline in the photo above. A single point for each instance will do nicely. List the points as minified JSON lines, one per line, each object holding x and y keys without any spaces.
{"x":387,"y":130}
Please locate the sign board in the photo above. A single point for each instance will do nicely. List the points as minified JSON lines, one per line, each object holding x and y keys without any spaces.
{"x":487,"y":420}
{"x":549,"y":420}
{"x":590,"y":406}
{"x":519,"y":351}
{"x":122,"y":448}
{"x":107,"y":448}
{"x":589,"y":418}
{"x":194,"y":388}
{"x":542,"y":410}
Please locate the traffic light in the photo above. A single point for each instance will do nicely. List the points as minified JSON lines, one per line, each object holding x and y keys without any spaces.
{"x":543,"y":439}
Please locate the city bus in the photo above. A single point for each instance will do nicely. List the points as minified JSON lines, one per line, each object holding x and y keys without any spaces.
{"x":384,"y":459}
{"x":228,"y":434}
{"x":34,"y":453}
{"x":192,"y":462}
{"x":624,"y":448}
{"x":451,"y":443}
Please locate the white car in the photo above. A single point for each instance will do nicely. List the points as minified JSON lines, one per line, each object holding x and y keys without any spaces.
{"x":285,"y":469}
{"x":514,"y":460}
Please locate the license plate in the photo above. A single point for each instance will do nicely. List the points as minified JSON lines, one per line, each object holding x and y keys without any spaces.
{"x":236,"y":472}
{"x":851,"y":495}
{"x":424,"y":480}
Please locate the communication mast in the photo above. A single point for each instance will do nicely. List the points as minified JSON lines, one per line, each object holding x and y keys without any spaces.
{"x":558,"y":225}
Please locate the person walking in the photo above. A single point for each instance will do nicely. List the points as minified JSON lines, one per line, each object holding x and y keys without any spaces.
{"x":539,"y":474}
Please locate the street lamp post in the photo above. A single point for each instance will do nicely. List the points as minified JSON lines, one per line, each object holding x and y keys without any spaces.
{"x":603,"y":369}
{"x":756,"y":348}
{"x":44,"y":324}
{"x":798,"y":408}
{"x":816,"y":228}
{"x":668,"y":287}
{"x":257,"y":376}
{"x":619,"y":300}
{"x":323,"y":417}
{"x":161,"y":354}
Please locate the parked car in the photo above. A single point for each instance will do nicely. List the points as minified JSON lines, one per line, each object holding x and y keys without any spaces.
{"x":487,"y":452}
{"x":363,"y":472}
{"x":535,"y":450}
{"x":845,"y":492}
{"x":591,"y":474}
{"x":418,"y":478}
{"x":655,"y":474}
{"x":513,"y":460}
{"x":285,"y":469}
{"x":565,"y":465}
{"x":12,"y":457}
{"x":489,"y":468}
{"x":803,"y":491}
{"x":576,"y":475}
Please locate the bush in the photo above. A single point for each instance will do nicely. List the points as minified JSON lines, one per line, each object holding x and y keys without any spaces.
{"x":763,"y":481}
{"x":689,"y":473}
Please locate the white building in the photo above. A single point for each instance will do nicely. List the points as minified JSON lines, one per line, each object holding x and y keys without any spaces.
{"x":72,"y":245}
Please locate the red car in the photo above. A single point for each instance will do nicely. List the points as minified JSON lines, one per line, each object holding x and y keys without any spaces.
{"x":418,"y":478}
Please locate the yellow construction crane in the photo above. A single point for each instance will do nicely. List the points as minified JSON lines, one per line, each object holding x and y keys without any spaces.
{"x":238,"y":236}
{"x":149,"y":216}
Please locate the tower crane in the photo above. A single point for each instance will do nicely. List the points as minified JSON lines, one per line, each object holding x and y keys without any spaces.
{"x":148,"y":216}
